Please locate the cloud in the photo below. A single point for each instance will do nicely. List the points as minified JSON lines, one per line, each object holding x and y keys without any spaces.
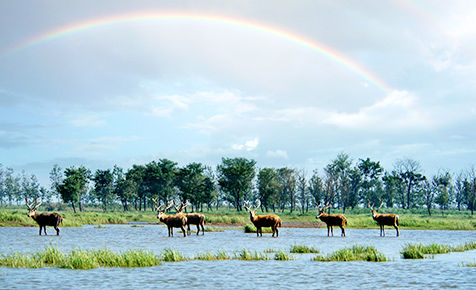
{"x":88,"y":121}
{"x":249,"y":145}
{"x":277,"y":154}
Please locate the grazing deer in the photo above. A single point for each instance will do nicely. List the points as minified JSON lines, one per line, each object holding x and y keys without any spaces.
{"x":197,"y":219}
{"x":260,"y":221}
{"x":178,"y":220}
{"x":331,"y":220}
{"x":384,"y":219}
{"x":43,"y":219}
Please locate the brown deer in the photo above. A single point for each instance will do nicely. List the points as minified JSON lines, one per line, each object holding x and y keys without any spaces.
{"x":43,"y":219}
{"x":384,"y":219}
{"x":178,"y":220}
{"x":197,"y":219}
{"x":331,"y":220}
{"x":260,"y":221}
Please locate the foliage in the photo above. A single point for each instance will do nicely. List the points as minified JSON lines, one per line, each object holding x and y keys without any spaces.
{"x":246,"y":255}
{"x":418,"y":251}
{"x":301,"y":249}
{"x":282,"y":256}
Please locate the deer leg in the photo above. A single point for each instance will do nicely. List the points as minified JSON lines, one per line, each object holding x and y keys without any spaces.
{"x":332,"y":230}
{"x":188,"y":229}
{"x":203,"y":230}
{"x":343,"y":231}
{"x":44,"y":229}
{"x":183,"y":230}
{"x":383,"y":230}
{"x":57,"y":230}
{"x":396,"y":227}
{"x":277,"y":232}
{"x":40,"y":230}
{"x":198,"y":228}
{"x":328,"y":229}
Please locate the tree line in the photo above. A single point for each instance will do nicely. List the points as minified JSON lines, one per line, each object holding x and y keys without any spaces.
{"x":342,"y":183}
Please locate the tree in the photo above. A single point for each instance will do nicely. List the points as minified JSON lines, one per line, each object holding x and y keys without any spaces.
{"x":104,"y":186}
{"x":470,"y":189}
{"x":303,"y":193}
{"x":235,"y":177}
{"x":136,"y":178}
{"x":371,"y":172}
{"x":12,"y":185}
{"x":30,"y":187}
{"x":393,"y":188}
{"x":339,"y":170}
{"x":124,"y":188}
{"x":287,"y":193}
{"x":355,"y":187}
{"x":442,"y":184}
{"x":75,"y":186}
{"x":209,"y":189}
{"x":191,"y":183}
{"x":459,"y":190}
{"x":410,"y":173}
{"x":159,"y":180}
{"x":316,"y":188}
{"x":56,"y":178}
{"x":268,"y":187}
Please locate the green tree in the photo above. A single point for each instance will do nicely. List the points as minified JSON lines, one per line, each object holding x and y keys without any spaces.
{"x":56,"y":178}
{"x":235,"y":178}
{"x":104,"y":187}
{"x":287,"y":192}
{"x":209,"y":188}
{"x":124,"y":188}
{"x":355,"y":186}
{"x":409,"y":172}
{"x":75,"y":185}
{"x":268,"y":187}
{"x":470,"y":189}
{"x":159,"y":180}
{"x":12,"y":185}
{"x":191,"y":183}
{"x":442,"y":183}
{"x":340,"y":169}
{"x":30,"y":187}
{"x":136,"y":178}
{"x":371,"y":183}
{"x":316,"y":187}
{"x":303,"y":191}
{"x":459,"y":190}
{"x":393,"y":188}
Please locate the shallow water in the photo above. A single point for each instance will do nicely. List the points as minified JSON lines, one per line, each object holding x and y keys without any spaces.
{"x":441,"y":271}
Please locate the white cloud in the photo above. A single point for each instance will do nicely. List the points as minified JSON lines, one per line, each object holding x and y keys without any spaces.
{"x":88,"y":121}
{"x":277,"y":154}
{"x":249,"y":145}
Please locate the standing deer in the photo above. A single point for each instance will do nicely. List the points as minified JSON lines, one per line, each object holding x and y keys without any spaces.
{"x":178,"y":220}
{"x":331,"y":220}
{"x":197,"y":219}
{"x":43,"y":219}
{"x":384,"y":219}
{"x":269,"y":220}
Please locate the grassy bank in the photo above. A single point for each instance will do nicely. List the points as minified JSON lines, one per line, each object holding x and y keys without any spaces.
{"x":358,"y":218}
{"x":419,"y":251}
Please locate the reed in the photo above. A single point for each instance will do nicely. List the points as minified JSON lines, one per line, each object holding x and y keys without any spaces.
{"x":171,"y":255}
{"x":282,"y":256}
{"x":220,"y":255}
{"x":418,"y":251}
{"x":356,"y":253}
{"x":246,"y":255}
{"x":301,"y":249}
{"x":80,"y":259}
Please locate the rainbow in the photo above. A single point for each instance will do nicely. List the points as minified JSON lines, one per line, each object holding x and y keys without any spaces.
{"x":137,"y":17}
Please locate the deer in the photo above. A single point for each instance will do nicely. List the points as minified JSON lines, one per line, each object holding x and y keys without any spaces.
{"x":331,"y":220}
{"x":43,"y":219}
{"x":384,"y":219}
{"x":197,"y":219}
{"x":260,"y":221}
{"x":178,"y":220}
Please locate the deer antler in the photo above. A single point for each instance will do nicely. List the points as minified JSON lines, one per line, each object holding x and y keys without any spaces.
{"x":370,"y":206}
{"x":168,"y":206}
{"x":245,"y":204}
{"x":37,"y":204}
{"x":380,"y":205}
{"x":259,"y":204}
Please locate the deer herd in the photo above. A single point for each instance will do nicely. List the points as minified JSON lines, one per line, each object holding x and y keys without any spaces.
{"x":184,"y":220}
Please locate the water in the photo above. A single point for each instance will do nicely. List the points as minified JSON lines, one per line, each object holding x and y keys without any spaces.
{"x":444,"y":271}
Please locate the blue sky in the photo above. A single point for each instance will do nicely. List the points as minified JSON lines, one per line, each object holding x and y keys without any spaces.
{"x":191,"y":90}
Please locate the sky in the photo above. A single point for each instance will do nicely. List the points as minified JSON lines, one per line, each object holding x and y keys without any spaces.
{"x":286,"y":83}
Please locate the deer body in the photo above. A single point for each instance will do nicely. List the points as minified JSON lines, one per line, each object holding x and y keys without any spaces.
{"x":197,"y":219}
{"x":178,"y":220}
{"x":44,"y":219}
{"x":384,"y":220}
{"x":332,"y":220}
{"x":259,"y":221}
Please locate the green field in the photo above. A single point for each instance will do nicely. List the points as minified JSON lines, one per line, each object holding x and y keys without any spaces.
{"x":359,"y":218}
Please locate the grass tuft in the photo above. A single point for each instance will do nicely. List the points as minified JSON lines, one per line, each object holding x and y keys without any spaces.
{"x":282,"y":256}
{"x":252,"y":229}
{"x":356,"y":253}
{"x":250,"y":256}
{"x":220,"y":255}
{"x":301,"y":249}
{"x":418,"y":251}
{"x":171,"y":255}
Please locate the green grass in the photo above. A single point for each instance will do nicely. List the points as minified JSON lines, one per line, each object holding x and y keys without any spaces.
{"x":246,"y":255}
{"x":171,"y":255}
{"x":356,"y":253}
{"x":301,"y":249}
{"x":282,"y":256}
{"x":220,"y":255}
{"x":80,"y":259}
{"x":418,"y":251}
{"x":470,"y":264}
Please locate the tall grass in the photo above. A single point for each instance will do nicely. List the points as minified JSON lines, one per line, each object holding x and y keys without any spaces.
{"x":282,"y":256}
{"x":356,"y":253}
{"x":80,"y":259}
{"x":252,"y":229}
{"x":418,"y":251}
{"x":220,"y":255}
{"x":171,"y":255}
{"x":301,"y":249}
{"x":246,"y":255}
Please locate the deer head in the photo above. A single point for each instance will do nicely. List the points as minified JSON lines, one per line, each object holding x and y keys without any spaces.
{"x":249,"y":209}
{"x":160,"y":210}
{"x":374,"y":211}
{"x":32,"y":207}
{"x":321,"y":209}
